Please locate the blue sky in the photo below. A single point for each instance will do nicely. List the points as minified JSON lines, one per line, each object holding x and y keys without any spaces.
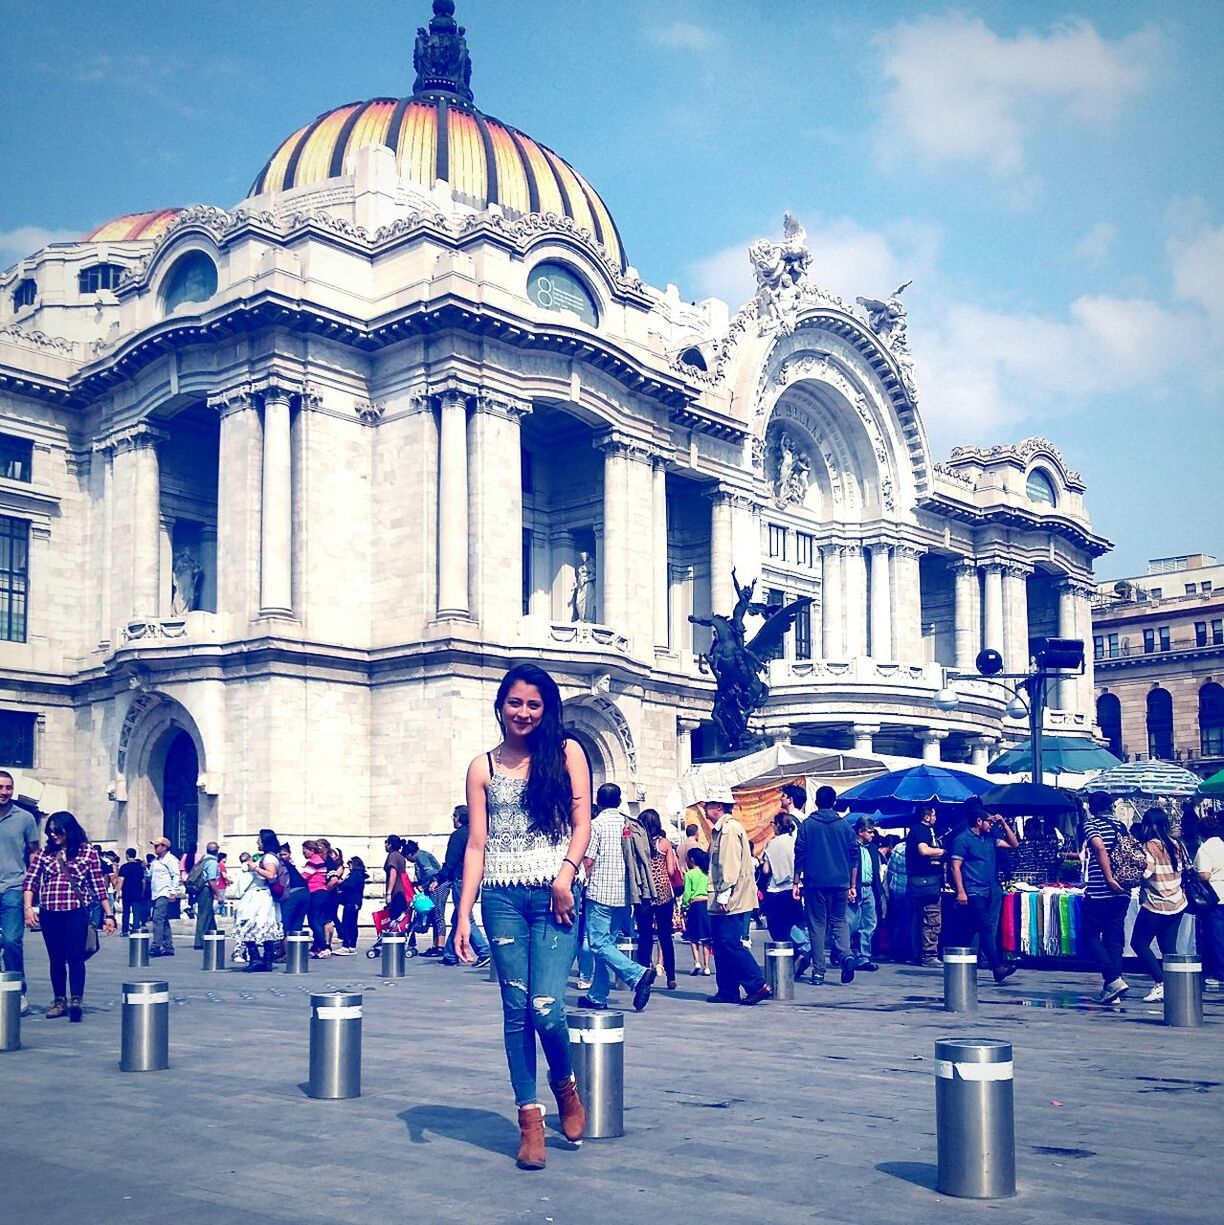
{"x":1049,"y":176}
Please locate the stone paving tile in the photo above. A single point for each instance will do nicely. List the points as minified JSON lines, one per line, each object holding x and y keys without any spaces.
{"x":818,"y":1111}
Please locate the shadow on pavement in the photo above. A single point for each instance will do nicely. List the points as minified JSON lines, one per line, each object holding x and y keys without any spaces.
{"x":483,"y":1128}
{"x":920,"y":1173}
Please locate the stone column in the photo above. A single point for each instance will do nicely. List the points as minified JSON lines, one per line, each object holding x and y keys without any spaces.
{"x":992,"y":630}
{"x":832,"y":603}
{"x":684,"y":744}
{"x":452,"y":506}
{"x":276,"y":520}
{"x":881,"y":646}
{"x":615,"y":579}
{"x":907,"y":603}
{"x":136,"y":476}
{"x":658,"y":486}
{"x":1075,"y":621}
{"x":862,"y":733}
{"x":1015,"y":617}
{"x":563,"y":560}
{"x":722,"y":590}
{"x":931,"y":740}
{"x":208,"y":559}
{"x":1084,"y":593}
{"x":981,"y":750}
{"x":968,"y":617}
{"x":855,"y":596}
{"x":745,"y":540}
{"x":165,"y":564}
{"x":239,"y":482}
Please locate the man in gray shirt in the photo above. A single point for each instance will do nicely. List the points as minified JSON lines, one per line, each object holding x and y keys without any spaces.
{"x":18,"y":838}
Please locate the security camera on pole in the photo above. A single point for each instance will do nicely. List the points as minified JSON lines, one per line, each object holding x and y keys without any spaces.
{"x":1051,"y":658}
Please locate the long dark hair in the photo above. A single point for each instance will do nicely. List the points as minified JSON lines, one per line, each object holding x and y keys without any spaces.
{"x":75,"y":837}
{"x":548,"y":796}
{"x":653,"y":825}
{"x":269,"y":843}
{"x":1156,"y":827}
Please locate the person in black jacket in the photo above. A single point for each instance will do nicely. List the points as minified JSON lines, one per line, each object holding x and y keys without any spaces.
{"x":868,"y":907}
{"x":349,"y":895}
{"x":449,"y":882}
{"x":826,"y":873}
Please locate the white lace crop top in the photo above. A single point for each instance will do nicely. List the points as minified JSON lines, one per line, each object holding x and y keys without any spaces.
{"x":516,"y":854}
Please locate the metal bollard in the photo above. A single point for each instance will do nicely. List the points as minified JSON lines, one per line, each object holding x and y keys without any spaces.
{"x":335,"y":1045}
{"x":297,"y":954}
{"x":10,"y":1010}
{"x":394,"y":957}
{"x":974,"y":1118}
{"x":1183,"y":990}
{"x":145,"y":1044}
{"x":780,"y":968}
{"x":493,"y":968}
{"x":138,"y":950}
{"x":597,"y":1051}
{"x":214,"y":951}
{"x":960,"y":980}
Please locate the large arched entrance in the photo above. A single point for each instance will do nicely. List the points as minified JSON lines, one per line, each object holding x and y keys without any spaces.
{"x":597,"y":723}
{"x":180,"y":795}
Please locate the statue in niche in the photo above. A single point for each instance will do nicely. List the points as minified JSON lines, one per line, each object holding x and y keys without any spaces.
{"x":582,"y":600}
{"x":740,"y":666}
{"x":779,"y":268}
{"x":792,"y":471}
{"x":186,"y":573}
{"x":887,"y":319}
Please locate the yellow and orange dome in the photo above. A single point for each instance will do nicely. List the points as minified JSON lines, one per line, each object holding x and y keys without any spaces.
{"x":440,"y":137}
{"x":134,"y":227}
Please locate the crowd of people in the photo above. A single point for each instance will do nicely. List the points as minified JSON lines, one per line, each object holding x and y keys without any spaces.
{"x":564,"y":878}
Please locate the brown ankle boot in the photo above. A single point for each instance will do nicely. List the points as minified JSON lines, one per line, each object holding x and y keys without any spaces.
{"x":573,"y":1113}
{"x":58,"y":1008}
{"x":531,"y":1144}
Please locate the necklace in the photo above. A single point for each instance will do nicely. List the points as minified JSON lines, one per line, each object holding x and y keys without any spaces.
{"x":508,"y":769}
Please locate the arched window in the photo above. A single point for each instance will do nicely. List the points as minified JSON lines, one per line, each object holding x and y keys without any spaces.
{"x":1211,"y":720}
{"x":1040,"y":488}
{"x":192,"y":279}
{"x":695,"y":358}
{"x":1109,"y":716}
{"x":556,"y":288}
{"x":1160,"y":724}
{"x":25,"y":293}
{"x":99,"y":276}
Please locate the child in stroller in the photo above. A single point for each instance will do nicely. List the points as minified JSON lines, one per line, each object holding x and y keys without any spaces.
{"x":417,"y":918}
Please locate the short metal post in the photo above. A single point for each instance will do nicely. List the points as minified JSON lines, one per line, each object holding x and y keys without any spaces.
{"x":394,"y":957}
{"x":493,"y":968}
{"x":138,"y":950}
{"x":335,"y":1045}
{"x":145,"y":1043}
{"x":297,"y":954}
{"x":960,"y":980}
{"x":974,"y":1118}
{"x":1183,"y":990}
{"x":10,"y":1010}
{"x":780,"y":968}
{"x":214,"y":951}
{"x":597,"y":1051}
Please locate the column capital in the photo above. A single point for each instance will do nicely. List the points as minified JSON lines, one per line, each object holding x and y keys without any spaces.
{"x":138,"y":437}
{"x":876,"y":547}
{"x":285,"y":385}
{"x":684,"y":725}
{"x":966,"y":567}
{"x":931,"y":735}
{"x":618,"y":443}
{"x":369,"y":412}
{"x":993,"y":567}
{"x":910,"y":552}
{"x":499,"y":404}
{"x":865,"y":729}
{"x":1015,"y":569}
{"x":1077,"y":588}
{"x":236,"y":399}
{"x":850,"y":549}
{"x":733,"y":495}
{"x":985,"y":743}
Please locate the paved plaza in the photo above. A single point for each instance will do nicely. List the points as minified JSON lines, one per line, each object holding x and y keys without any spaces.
{"x":818,"y":1110}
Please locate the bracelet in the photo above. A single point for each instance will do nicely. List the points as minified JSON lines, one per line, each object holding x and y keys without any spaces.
{"x":572,"y":864}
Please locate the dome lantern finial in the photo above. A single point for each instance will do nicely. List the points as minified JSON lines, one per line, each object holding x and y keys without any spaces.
{"x":440,"y":56}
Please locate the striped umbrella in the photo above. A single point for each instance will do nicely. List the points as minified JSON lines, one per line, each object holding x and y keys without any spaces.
{"x":1155,"y":778}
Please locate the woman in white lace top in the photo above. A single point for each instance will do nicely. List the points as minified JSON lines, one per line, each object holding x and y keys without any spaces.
{"x":529,"y":817}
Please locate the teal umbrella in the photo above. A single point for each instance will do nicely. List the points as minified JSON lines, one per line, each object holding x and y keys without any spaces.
{"x":1059,"y":755}
{"x":1214,"y":786}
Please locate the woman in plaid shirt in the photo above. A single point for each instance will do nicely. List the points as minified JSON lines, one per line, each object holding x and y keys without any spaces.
{"x":65,"y":877}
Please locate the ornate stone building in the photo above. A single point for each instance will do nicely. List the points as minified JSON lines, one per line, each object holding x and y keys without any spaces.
{"x":1158,"y":640}
{"x":288,"y":485}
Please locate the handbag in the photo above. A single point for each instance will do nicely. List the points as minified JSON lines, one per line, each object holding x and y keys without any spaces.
{"x":674,"y":874}
{"x":91,"y":940}
{"x":1201,"y":898}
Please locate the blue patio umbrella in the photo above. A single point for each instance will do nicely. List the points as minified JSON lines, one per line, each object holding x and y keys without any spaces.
{"x":894,"y":794}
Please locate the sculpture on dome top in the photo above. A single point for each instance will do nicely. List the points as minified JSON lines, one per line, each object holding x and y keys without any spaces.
{"x":887,"y":319}
{"x":779,"y":269}
{"x":440,"y":56}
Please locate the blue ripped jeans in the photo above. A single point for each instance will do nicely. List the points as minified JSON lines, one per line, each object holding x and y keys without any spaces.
{"x":532,"y":952}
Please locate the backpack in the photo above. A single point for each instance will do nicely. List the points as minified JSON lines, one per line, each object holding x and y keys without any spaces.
{"x":278,"y":886}
{"x":1127,"y":859}
{"x":195,"y":884}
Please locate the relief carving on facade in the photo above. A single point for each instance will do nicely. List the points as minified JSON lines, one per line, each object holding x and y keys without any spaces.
{"x":789,"y":468}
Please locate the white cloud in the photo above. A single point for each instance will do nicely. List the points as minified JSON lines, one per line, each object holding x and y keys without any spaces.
{"x":959,"y":92}
{"x":1095,"y":246}
{"x":1196,"y":257}
{"x":683,"y":36}
{"x":26,"y":239}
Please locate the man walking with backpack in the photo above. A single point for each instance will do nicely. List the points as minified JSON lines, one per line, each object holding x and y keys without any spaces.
{"x":1106,"y":899}
{"x":427,"y":872}
{"x":201,"y":887}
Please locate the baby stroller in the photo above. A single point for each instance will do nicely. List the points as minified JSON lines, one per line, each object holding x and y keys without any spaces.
{"x":415,"y":919}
